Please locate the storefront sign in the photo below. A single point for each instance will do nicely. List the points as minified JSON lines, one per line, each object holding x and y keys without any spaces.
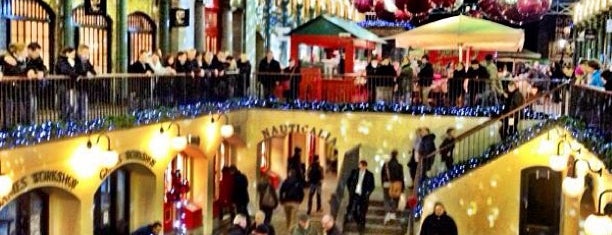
{"x":282,"y":130}
{"x":131,"y":156}
{"x":40,"y":178}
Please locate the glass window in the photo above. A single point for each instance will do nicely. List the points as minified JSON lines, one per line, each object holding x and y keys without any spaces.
{"x":93,"y":31}
{"x":141,"y":34}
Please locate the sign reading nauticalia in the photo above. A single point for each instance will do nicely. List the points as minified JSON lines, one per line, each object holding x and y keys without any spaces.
{"x":132,"y":155}
{"x":40,"y":178}
{"x":284,"y":129}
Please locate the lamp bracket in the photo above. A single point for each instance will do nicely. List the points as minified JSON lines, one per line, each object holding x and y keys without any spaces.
{"x":90,"y":143}
{"x":598,"y":172}
{"x":178,"y":128}
{"x":600,"y":199}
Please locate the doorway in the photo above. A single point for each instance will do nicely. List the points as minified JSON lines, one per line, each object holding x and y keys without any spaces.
{"x":119,"y":205}
{"x":540,"y":201}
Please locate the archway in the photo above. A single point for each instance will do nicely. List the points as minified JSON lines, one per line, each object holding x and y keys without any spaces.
{"x":120,"y":204}
{"x":186,"y":192}
{"x":28,"y":21}
{"x":42,"y":210}
{"x":95,"y":32}
{"x":141,"y":34}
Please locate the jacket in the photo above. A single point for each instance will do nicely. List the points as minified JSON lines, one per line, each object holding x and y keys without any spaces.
{"x":20,"y":69}
{"x":315,"y":173}
{"x":268,"y":67}
{"x":236,"y":230}
{"x":392,"y":171}
{"x":36,"y":64}
{"x":298,"y":230}
{"x":447,"y":147}
{"x":146,"y":230}
{"x":438,"y":225}
{"x":426,"y":75}
{"x":367,"y":185}
{"x":139,"y":67}
{"x":83,"y":67}
{"x":515,"y":99}
{"x":240,"y":193}
{"x":292,"y":190}
{"x":427,"y":145}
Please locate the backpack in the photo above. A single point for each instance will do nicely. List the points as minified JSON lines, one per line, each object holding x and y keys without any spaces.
{"x":268,"y":199}
{"x":295,"y":192}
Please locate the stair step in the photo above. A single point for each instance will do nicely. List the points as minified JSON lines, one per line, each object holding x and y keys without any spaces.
{"x":375,"y":228}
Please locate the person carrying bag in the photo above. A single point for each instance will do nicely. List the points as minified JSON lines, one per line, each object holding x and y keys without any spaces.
{"x":393,"y":185}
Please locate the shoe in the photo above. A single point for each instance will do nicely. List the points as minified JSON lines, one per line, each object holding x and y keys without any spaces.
{"x":392,"y":216}
{"x":387,"y":218}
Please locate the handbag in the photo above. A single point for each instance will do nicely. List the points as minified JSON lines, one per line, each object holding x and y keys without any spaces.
{"x":395,"y":187}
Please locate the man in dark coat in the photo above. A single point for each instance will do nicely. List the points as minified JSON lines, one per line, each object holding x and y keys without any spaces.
{"x":360,"y":185}
{"x":514,"y":100}
{"x":240,"y":193}
{"x":447,"y":148}
{"x":269,"y":70}
{"x":478,"y":76}
{"x":291,"y":196}
{"x":151,"y":229}
{"x":425,"y":76}
{"x":315,"y":178}
{"x":392,"y":171}
{"x":84,"y":68}
{"x":140,"y":86}
{"x":427,"y":146}
{"x":438,"y":223}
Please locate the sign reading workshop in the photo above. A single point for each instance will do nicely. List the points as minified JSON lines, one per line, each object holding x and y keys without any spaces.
{"x":40,"y":178}
{"x":285,"y":129}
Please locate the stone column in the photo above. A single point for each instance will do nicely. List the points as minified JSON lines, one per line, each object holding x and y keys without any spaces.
{"x":122,"y":37}
{"x":199,"y":25}
{"x":284,"y":23}
{"x":164,"y":26}
{"x":228,"y":27}
{"x":268,"y":23}
{"x":68,"y":28}
{"x":182,"y":37}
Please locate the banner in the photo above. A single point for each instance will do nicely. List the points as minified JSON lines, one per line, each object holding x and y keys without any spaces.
{"x":179,"y":17}
{"x":95,"y":7}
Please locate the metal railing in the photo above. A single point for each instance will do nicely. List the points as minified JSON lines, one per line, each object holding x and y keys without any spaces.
{"x":593,"y":106}
{"x":59,"y":98}
{"x":477,"y":140}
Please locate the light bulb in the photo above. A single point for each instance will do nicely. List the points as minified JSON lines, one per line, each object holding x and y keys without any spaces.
{"x":227,"y":131}
{"x":598,"y":225}
{"x":558,"y":162}
{"x":6,"y":185}
{"x":159,"y":145}
{"x":108,"y":159}
{"x":179,"y":143}
{"x":573,"y":187}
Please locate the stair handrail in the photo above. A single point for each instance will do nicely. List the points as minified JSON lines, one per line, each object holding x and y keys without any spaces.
{"x":486,"y":124}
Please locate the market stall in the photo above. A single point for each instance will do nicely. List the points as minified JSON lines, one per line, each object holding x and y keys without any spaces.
{"x":333,"y":34}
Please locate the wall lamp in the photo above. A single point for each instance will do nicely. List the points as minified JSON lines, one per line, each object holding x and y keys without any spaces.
{"x":558,"y":162}
{"x":6,"y":183}
{"x":227,"y":130}
{"x":178,"y":143}
{"x":599,"y":223}
{"x":107,"y":158}
{"x":573,"y":184}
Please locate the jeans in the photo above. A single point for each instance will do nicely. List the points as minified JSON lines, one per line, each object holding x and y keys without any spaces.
{"x":291,"y":209}
{"x":314,"y":188}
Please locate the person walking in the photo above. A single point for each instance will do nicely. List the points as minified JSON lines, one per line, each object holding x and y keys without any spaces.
{"x":447,"y":148}
{"x":426,"y":148}
{"x":239,"y":226}
{"x":392,"y":177}
{"x":260,"y":218}
{"x":315,"y":178}
{"x":303,"y":226}
{"x":439,"y":223}
{"x":268,"y":200}
{"x":329,"y":225}
{"x":415,"y":158}
{"x":150,"y":229}
{"x":240,"y":192}
{"x":291,"y":196}
{"x":360,"y":185}
{"x":514,"y":100}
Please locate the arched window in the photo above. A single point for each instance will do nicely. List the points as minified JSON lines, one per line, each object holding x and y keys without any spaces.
{"x":28,"y":21}
{"x":141,"y":34}
{"x":95,"y":32}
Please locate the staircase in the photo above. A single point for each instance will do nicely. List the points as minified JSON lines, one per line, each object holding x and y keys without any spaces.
{"x":375,"y":222}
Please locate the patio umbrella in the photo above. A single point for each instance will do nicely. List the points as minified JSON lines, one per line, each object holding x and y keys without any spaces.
{"x":462,"y":31}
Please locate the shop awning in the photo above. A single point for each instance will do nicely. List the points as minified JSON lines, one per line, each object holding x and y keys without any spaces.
{"x":330,"y":25}
{"x":462,"y":31}
{"x":523,"y":55}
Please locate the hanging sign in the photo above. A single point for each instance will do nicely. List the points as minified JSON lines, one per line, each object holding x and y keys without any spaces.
{"x":95,"y":7}
{"x":589,"y":34}
{"x":179,"y":17}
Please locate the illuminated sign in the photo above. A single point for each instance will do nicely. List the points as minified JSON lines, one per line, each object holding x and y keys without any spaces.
{"x":284,"y":129}
{"x":130,"y":156}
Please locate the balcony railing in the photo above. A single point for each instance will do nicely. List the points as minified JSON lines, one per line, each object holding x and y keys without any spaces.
{"x":594,"y":107}
{"x":59,"y":98}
